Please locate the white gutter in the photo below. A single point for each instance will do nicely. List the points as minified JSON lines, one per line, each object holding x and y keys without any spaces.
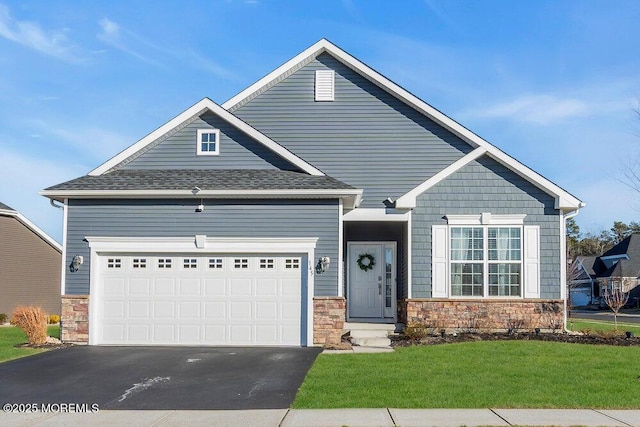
{"x":563,"y":267}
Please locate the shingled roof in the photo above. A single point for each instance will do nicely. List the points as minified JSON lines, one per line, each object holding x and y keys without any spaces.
{"x":628,"y":263}
{"x":5,"y":207}
{"x":210,"y":179}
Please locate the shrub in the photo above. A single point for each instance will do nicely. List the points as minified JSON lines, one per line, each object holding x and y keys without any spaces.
{"x":33,"y":321}
{"x":416,"y":331}
{"x":3,"y":318}
{"x":53,"y":319}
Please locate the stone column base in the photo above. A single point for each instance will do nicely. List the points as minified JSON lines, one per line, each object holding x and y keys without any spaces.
{"x":329,"y":315}
{"x":74,"y":321}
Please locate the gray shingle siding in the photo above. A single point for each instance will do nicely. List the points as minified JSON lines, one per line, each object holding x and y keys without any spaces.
{"x":486,"y":186}
{"x":221,"y":218}
{"x":366,"y":137}
{"x":237,"y":150}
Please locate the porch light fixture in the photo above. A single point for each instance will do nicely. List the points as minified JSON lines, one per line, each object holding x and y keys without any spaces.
{"x":76,"y":262}
{"x":323,"y":264}
{"x":200,"y":207}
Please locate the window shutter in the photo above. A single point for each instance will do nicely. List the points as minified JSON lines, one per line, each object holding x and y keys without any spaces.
{"x":324,"y":85}
{"x":439,"y":261}
{"x":531,"y":261}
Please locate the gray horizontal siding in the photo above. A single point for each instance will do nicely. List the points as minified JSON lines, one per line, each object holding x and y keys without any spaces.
{"x":366,"y":137}
{"x":237,"y":150}
{"x":486,"y":186}
{"x":176,"y":218}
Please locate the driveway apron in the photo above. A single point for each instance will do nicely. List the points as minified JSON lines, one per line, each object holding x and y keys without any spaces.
{"x":159,"y":377}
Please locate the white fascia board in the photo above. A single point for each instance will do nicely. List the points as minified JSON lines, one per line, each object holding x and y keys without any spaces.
{"x":212,"y":244}
{"x":388,"y":215}
{"x":196,"y":110}
{"x":564,"y":200}
{"x":192,"y":111}
{"x":34,"y":228}
{"x":312,"y":51}
{"x":351,"y":196}
{"x":408,"y":200}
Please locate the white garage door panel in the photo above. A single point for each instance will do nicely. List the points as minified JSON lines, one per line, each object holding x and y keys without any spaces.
{"x":199,"y":300}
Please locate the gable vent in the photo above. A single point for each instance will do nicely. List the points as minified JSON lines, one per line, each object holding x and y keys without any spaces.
{"x":324,"y":85}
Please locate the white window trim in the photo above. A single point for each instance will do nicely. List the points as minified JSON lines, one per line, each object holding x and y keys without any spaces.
{"x":484,"y":220}
{"x":485,"y":262}
{"x":201,"y":132}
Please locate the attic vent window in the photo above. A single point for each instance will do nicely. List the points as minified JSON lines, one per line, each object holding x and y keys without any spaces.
{"x":208,"y":142}
{"x":324,"y":85}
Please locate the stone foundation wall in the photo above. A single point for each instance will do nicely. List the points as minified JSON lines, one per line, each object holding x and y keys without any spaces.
{"x":328,"y":320}
{"x":75,"y":319}
{"x":483,"y":315}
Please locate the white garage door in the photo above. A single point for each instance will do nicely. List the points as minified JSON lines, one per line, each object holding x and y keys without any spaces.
{"x":179,"y":299}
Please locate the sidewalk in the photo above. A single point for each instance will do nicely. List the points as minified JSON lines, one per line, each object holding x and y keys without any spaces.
{"x":334,"y":417}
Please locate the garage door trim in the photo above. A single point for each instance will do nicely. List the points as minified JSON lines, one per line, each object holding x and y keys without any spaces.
{"x":101,"y":245}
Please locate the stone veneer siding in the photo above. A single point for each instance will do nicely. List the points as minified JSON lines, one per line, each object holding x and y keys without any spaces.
{"x":75,"y":319}
{"x":328,"y":320}
{"x":483,"y":315}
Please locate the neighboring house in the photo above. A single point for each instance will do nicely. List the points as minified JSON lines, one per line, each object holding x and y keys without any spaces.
{"x":582,"y":277}
{"x":30,"y":264}
{"x":618,"y":265}
{"x":322,"y":193}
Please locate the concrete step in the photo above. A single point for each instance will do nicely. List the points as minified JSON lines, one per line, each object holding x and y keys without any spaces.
{"x":360,"y":326}
{"x":371,"y":341}
{"x":369,"y":333}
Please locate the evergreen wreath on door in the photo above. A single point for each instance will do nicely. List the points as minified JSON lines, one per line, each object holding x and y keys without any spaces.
{"x":366,"y":262}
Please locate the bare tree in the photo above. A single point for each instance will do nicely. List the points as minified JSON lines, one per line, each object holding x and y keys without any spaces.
{"x":616,"y":295}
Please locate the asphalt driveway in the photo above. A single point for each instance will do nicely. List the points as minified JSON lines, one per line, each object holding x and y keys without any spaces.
{"x":159,"y":377}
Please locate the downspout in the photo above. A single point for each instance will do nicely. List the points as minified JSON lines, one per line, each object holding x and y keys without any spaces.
{"x":564,"y":228}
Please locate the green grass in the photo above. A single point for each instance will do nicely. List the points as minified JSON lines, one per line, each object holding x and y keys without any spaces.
{"x":602,"y":325}
{"x":11,"y":336}
{"x":504,"y":374}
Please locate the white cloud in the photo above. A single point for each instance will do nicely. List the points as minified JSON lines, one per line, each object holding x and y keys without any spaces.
{"x":111,"y":34}
{"x":110,"y":29}
{"x":95,"y":144}
{"x":538,"y":109}
{"x":53,"y":43}
{"x":133,"y":44}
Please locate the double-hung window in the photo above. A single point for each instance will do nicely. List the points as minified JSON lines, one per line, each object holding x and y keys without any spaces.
{"x":486,"y":261}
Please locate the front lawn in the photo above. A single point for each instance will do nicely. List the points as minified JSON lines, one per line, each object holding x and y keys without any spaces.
{"x":11,"y":336}
{"x":603,"y":325}
{"x":486,"y":374}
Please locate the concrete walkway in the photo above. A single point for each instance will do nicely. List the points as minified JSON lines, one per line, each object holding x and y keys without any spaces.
{"x":333,"y":417}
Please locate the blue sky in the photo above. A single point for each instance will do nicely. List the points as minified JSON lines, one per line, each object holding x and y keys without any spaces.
{"x":552,"y":83}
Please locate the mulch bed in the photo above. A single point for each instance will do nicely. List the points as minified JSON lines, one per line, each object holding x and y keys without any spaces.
{"x":619,"y":340}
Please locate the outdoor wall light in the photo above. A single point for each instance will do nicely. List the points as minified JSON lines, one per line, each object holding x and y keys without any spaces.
{"x":323,"y":264}
{"x":76,"y":262}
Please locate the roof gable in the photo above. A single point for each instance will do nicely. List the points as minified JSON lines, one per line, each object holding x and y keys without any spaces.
{"x":623,"y":258}
{"x":564,"y":200}
{"x":9,"y":212}
{"x":178,"y":150}
{"x":189,"y":116}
